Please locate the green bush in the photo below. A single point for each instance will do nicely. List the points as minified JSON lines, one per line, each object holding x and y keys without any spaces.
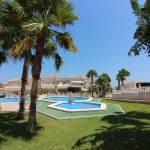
{"x":74,"y":89}
{"x":3,"y":95}
{"x":42,"y":91}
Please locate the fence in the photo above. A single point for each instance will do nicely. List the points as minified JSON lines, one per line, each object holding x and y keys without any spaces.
{"x":142,"y":93}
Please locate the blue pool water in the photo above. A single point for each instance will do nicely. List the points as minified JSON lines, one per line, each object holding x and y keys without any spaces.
{"x":79,"y":105}
{"x":66,"y":99}
{"x":7,"y":100}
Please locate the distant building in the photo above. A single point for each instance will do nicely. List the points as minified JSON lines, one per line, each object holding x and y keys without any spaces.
{"x":133,"y":91}
{"x":52,"y":84}
{"x":129,"y":85}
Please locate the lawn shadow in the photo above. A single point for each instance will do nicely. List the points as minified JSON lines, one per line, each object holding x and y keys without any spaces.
{"x":10,"y":127}
{"x":126,"y":132}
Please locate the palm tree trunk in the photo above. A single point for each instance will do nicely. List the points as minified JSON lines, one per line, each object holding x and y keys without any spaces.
{"x":92,"y":84}
{"x":32,"y":125}
{"x":118,"y":84}
{"x":99,"y":91}
{"x":21,"y":113}
{"x":103,"y":90}
{"x":122,"y":83}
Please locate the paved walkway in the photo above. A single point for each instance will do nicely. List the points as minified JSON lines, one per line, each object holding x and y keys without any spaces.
{"x":112,"y":109}
{"x":11,"y":106}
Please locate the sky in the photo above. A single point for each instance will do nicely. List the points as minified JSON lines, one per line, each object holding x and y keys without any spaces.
{"x":103,"y":36}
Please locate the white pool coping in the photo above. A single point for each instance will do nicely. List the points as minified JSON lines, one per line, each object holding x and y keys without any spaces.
{"x":44,"y":99}
{"x":102,"y":107}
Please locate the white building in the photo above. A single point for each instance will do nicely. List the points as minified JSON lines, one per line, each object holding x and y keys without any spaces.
{"x":52,"y":84}
{"x":133,"y":91}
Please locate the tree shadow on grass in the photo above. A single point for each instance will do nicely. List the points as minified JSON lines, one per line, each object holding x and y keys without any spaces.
{"x":130,"y":131}
{"x":10,"y":127}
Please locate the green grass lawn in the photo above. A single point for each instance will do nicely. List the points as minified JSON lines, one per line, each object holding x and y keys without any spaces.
{"x":130,"y":131}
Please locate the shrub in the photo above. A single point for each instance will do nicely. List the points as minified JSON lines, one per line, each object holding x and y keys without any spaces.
{"x":74,"y":89}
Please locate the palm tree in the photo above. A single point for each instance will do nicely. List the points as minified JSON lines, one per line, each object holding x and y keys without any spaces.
{"x":118,"y":79}
{"x":47,"y":19}
{"x":123,"y":73}
{"x":91,"y":74}
{"x":103,"y":82}
{"x":22,"y":47}
{"x":14,"y":39}
{"x":24,"y":80}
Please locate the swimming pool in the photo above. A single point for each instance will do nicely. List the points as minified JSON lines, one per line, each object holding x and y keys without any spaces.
{"x":65,"y":99}
{"x":8,"y":100}
{"x":78,"y":106}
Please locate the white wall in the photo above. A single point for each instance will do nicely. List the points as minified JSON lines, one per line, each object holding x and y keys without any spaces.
{"x":133,"y":96}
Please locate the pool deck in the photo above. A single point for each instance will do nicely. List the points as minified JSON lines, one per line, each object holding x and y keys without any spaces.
{"x":9,"y":106}
{"x":112,"y":109}
{"x":12,"y":106}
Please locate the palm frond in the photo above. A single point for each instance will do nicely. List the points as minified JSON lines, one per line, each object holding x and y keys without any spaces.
{"x":11,"y":14}
{"x":91,"y":73}
{"x":50,"y":50}
{"x":135,"y":6}
{"x":19,"y":48}
{"x":58,"y":61}
{"x":32,"y":26}
{"x":65,"y":15}
{"x":66,"y":42}
{"x":4,"y":56}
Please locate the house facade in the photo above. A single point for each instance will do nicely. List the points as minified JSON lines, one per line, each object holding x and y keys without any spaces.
{"x":52,"y":84}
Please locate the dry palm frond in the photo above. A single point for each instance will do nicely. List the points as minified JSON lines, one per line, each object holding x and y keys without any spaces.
{"x":19,"y":48}
{"x":66,"y":41}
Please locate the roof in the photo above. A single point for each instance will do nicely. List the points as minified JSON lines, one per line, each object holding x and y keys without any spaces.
{"x":56,"y":78}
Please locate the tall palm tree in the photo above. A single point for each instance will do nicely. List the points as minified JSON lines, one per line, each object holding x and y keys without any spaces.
{"x":91,"y":74}
{"x":118,"y":79}
{"x":12,"y":33}
{"x":24,"y":80}
{"x":22,"y":47}
{"x":103,"y":82}
{"x":48,"y":20}
{"x":123,"y":73}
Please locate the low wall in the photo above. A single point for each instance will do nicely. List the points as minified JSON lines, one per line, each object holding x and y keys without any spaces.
{"x":132,"y":96}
